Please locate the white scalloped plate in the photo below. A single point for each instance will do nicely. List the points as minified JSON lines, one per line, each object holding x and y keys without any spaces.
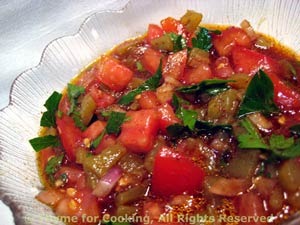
{"x":65,"y":57}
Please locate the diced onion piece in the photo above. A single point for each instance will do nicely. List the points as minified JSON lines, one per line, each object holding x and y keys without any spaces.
{"x":246,"y":26}
{"x":107,"y":182}
{"x":264,"y":185}
{"x":50,"y":197}
{"x":229,"y":187}
{"x":260,"y":121}
{"x":263,"y":43}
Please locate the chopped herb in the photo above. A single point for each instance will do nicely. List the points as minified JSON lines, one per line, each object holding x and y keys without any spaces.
{"x":78,"y":121}
{"x":278,"y":145}
{"x":290,"y":152}
{"x":179,"y":43}
{"x":113,"y":126}
{"x":211,"y":87}
{"x":188,"y":117}
{"x":40,"y":143}
{"x":73,"y":93}
{"x":251,"y":139}
{"x":139,"y":66}
{"x":52,"y":102}
{"x":259,"y":96}
{"x":54,"y":164}
{"x":280,"y":142}
{"x":295,"y":130}
{"x":114,"y":122}
{"x":48,"y":118}
{"x":216,"y":32}
{"x":95,"y":143}
{"x":150,"y":84}
{"x":203,"y":40}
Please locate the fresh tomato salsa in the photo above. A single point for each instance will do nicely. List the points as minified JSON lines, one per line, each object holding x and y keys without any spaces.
{"x":189,"y":124}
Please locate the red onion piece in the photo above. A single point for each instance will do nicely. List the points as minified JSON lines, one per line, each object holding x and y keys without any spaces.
{"x":107,"y":182}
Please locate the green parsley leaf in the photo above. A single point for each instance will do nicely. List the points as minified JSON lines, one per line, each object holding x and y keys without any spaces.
{"x":113,"y":126}
{"x":114,"y":122}
{"x":139,"y":66}
{"x":78,"y":122}
{"x":211,"y":87}
{"x":53,"y":164}
{"x":95,"y":143}
{"x":259,"y":96}
{"x":278,"y":145}
{"x":251,"y":139}
{"x":179,"y":43}
{"x":73,"y":93}
{"x":48,"y":119}
{"x":280,"y":142}
{"x":203,"y":40}
{"x":150,"y":84}
{"x":51,"y":104}
{"x":176,"y":131}
{"x":295,"y":130}
{"x":188,"y":117}
{"x":216,"y":32}
{"x":290,"y":152}
{"x":40,"y":143}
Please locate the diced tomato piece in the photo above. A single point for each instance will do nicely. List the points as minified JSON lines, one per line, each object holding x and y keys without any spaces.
{"x":154,"y":31}
{"x":113,"y":74}
{"x":108,"y":140}
{"x":82,"y":205}
{"x":167,"y":117}
{"x":171,"y":25}
{"x":174,"y":173}
{"x":229,"y":38}
{"x":44,"y":157}
{"x":222,"y":67}
{"x":255,"y":209}
{"x":101,"y":98}
{"x":94,"y":130}
{"x":148,"y":100}
{"x":73,"y":174}
{"x":151,"y":59}
{"x":175,"y":64}
{"x":284,"y":95}
{"x":138,"y":134}
{"x":194,"y":76}
{"x":70,"y":135}
{"x":249,"y":61}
